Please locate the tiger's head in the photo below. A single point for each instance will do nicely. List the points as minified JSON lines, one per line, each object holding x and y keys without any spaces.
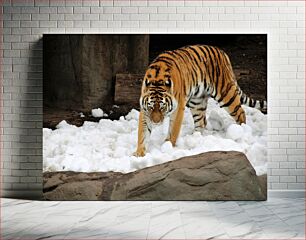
{"x":157,"y":100}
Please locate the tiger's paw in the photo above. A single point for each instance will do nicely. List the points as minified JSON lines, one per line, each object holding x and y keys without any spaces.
{"x":140,"y":152}
{"x":172,"y":141}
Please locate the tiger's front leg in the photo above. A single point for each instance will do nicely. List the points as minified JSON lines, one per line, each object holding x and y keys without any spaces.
{"x":176,"y":120}
{"x":144,"y":130}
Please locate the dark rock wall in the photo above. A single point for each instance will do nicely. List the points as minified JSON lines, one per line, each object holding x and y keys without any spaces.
{"x":79,"y":70}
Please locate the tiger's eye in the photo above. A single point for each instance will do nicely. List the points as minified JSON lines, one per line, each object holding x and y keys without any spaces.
{"x":147,"y":83}
{"x":168,"y":83}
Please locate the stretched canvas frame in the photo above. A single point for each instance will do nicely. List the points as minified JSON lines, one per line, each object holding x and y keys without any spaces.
{"x":91,"y":101}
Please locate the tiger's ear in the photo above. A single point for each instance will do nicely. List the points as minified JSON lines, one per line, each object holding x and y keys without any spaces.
{"x":168,"y":83}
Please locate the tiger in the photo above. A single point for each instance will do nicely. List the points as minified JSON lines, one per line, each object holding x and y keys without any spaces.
{"x":187,"y":77}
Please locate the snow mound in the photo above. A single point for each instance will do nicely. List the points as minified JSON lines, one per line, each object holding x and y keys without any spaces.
{"x":109,"y":145}
{"x":98,"y":112}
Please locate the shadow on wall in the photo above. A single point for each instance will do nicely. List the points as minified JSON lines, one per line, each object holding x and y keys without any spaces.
{"x":28,"y":146}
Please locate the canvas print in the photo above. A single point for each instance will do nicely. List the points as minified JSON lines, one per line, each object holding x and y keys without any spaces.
{"x":155,"y":116}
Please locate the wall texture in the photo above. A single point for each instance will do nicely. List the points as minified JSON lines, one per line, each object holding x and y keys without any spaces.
{"x":24,"y":22}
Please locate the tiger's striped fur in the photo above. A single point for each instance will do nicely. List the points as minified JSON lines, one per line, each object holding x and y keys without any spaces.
{"x":187,"y":77}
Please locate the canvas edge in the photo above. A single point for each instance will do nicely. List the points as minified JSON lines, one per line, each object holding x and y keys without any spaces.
{"x":37,"y":194}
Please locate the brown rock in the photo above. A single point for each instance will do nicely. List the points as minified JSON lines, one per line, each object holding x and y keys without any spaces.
{"x":207,"y":176}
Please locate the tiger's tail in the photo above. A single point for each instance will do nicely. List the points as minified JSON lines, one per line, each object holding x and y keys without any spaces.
{"x":261,"y":105}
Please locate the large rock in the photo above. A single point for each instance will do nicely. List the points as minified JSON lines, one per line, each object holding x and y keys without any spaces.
{"x":207,"y":176}
{"x":79,"y":70}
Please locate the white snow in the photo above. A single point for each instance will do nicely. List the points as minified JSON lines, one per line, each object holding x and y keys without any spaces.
{"x":109,"y":145}
{"x":98,"y":112}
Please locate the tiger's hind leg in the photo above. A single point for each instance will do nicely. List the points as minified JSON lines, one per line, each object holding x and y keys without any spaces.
{"x":232,"y":104}
{"x":198,"y":108}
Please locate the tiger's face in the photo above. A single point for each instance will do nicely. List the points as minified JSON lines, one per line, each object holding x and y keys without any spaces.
{"x":157,"y":100}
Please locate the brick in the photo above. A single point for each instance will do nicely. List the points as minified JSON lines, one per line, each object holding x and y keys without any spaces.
{"x":300,"y":144}
{"x":300,"y":179}
{"x":21,"y":31}
{"x":157,"y":3}
{"x":287,"y":130}
{"x":23,"y":3}
{"x":139,"y":3}
{"x":19,"y":46}
{"x":130,"y":24}
{"x":296,"y":124}
{"x":296,"y":151}
{"x":10,"y":179}
{"x":21,"y":16}
{"x":278,"y":186}
{"x":91,"y":17}
{"x":57,"y":3}
{"x":35,"y":173}
{"x":147,"y":9}
{"x":29,"y":24}
{"x":57,"y":17}
{"x":11,"y":9}
{"x":81,"y":10}
{"x":73,"y":17}
{"x":114,"y":24}
{"x":82,"y":24}
{"x":104,"y":17}
{"x":296,"y":172}
{"x":167,"y":24}
{"x":148,"y":24}
{"x":11,"y":53}
{"x":273,"y":179}
{"x":231,"y":3}
{"x":11,"y":24}
{"x":166,"y":9}
{"x":30,"y":10}
{"x":91,"y":3}
{"x":19,"y":173}
{"x":110,"y":3}
{"x":121,"y":17}
{"x":121,"y":3}
{"x":129,"y":10}
{"x":7,"y":16}
{"x":62,"y":10}
{"x":74,"y":3}
{"x":222,"y":24}
{"x":96,"y":10}
{"x":40,"y":16}
{"x":287,"y":165}
{"x":114,"y":10}
{"x":139,"y":17}
{"x":288,"y":179}
{"x":176,"y":17}
{"x":202,"y":10}
{"x":188,"y":10}
{"x":296,"y":156}
{"x":27,"y":179}
{"x":48,"y":10}
{"x":64,"y":24}
{"x":296,"y":186}
{"x":42,"y":3}
{"x":216,"y":10}
{"x":98,"y":24}
{"x":192,"y":17}
{"x":158,"y":17}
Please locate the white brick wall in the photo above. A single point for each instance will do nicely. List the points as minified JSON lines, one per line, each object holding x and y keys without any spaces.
{"x":24,"y":22}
